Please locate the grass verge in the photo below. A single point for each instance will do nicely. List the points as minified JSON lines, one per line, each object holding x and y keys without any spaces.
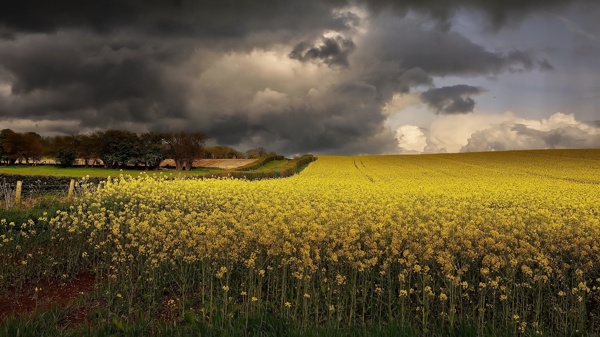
{"x":271,"y":165}
{"x":45,"y":205}
{"x":80,"y":172}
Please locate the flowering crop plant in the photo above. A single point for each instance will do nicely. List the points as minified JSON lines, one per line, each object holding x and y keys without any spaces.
{"x":503,"y":241}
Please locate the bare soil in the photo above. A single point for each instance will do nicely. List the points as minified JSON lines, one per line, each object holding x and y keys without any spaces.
{"x":28,"y":301}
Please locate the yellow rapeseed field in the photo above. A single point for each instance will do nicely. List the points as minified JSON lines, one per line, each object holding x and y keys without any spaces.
{"x":508,"y":241}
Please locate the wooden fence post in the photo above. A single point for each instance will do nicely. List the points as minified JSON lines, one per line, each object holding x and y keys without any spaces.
{"x":71,"y":188}
{"x":18,"y":193}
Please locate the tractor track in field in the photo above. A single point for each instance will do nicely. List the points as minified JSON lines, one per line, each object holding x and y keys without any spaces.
{"x":368,"y":177}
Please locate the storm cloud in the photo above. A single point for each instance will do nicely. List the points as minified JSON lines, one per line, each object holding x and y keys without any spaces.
{"x":231,"y":17}
{"x":332,"y":51}
{"x":295,"y":76}
{"x":451,"y":100}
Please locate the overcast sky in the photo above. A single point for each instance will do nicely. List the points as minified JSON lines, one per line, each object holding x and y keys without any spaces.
{"x":318,"y":76}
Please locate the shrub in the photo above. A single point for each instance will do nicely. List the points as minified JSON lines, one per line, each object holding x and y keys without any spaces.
{"x":287,"y":170}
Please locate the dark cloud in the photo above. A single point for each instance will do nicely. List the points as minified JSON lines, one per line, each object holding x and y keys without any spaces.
{"x":159,"y":65}
{"x":498,"y":11}
{"x":5,"y":33}
{"x":354,"y":132}
{"x":343,"y":118}
{"x":83,"y":77}
{"x":440,"y":53}
{"x":231,"y":17}
{"x":220,"y":19}
{"x":451,"y":100}
{"x":332,"y":51}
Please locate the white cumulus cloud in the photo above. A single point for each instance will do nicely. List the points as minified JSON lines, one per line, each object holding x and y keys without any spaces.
{"x":411,"y":139}
{"x":558,"y":131}
{"x":497,"y":132}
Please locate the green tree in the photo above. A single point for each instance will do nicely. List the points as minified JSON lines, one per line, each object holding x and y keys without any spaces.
{"x":66,"y":157}
{"x":153,"y":145}
{"x":184,"y":147}
{"x":32,"y":147}
{"x":256,"y":153}
{"x":19,"y":147}
{"x":116,"y":147}
{"x":4,"y":154}
{"x":223,"y":152}
{"x":58,"y":144}
{"x":88,"y":148}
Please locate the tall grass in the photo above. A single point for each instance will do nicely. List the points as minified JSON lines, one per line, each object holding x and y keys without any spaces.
{"x":7,"y":195}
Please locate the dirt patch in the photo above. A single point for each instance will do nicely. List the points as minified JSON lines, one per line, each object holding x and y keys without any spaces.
{"x":29,"y":300}
{"x":81,"y":315}
{"x":220,"y":163}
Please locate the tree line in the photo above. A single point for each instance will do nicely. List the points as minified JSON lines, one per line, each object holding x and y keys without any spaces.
{"x":115,"y":148}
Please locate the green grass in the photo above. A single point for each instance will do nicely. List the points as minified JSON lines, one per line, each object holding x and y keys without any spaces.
{"x":271,"y":165}
{"x":52,"y":323}
{"x":47,"y":204}
{"x":79,"y":172}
